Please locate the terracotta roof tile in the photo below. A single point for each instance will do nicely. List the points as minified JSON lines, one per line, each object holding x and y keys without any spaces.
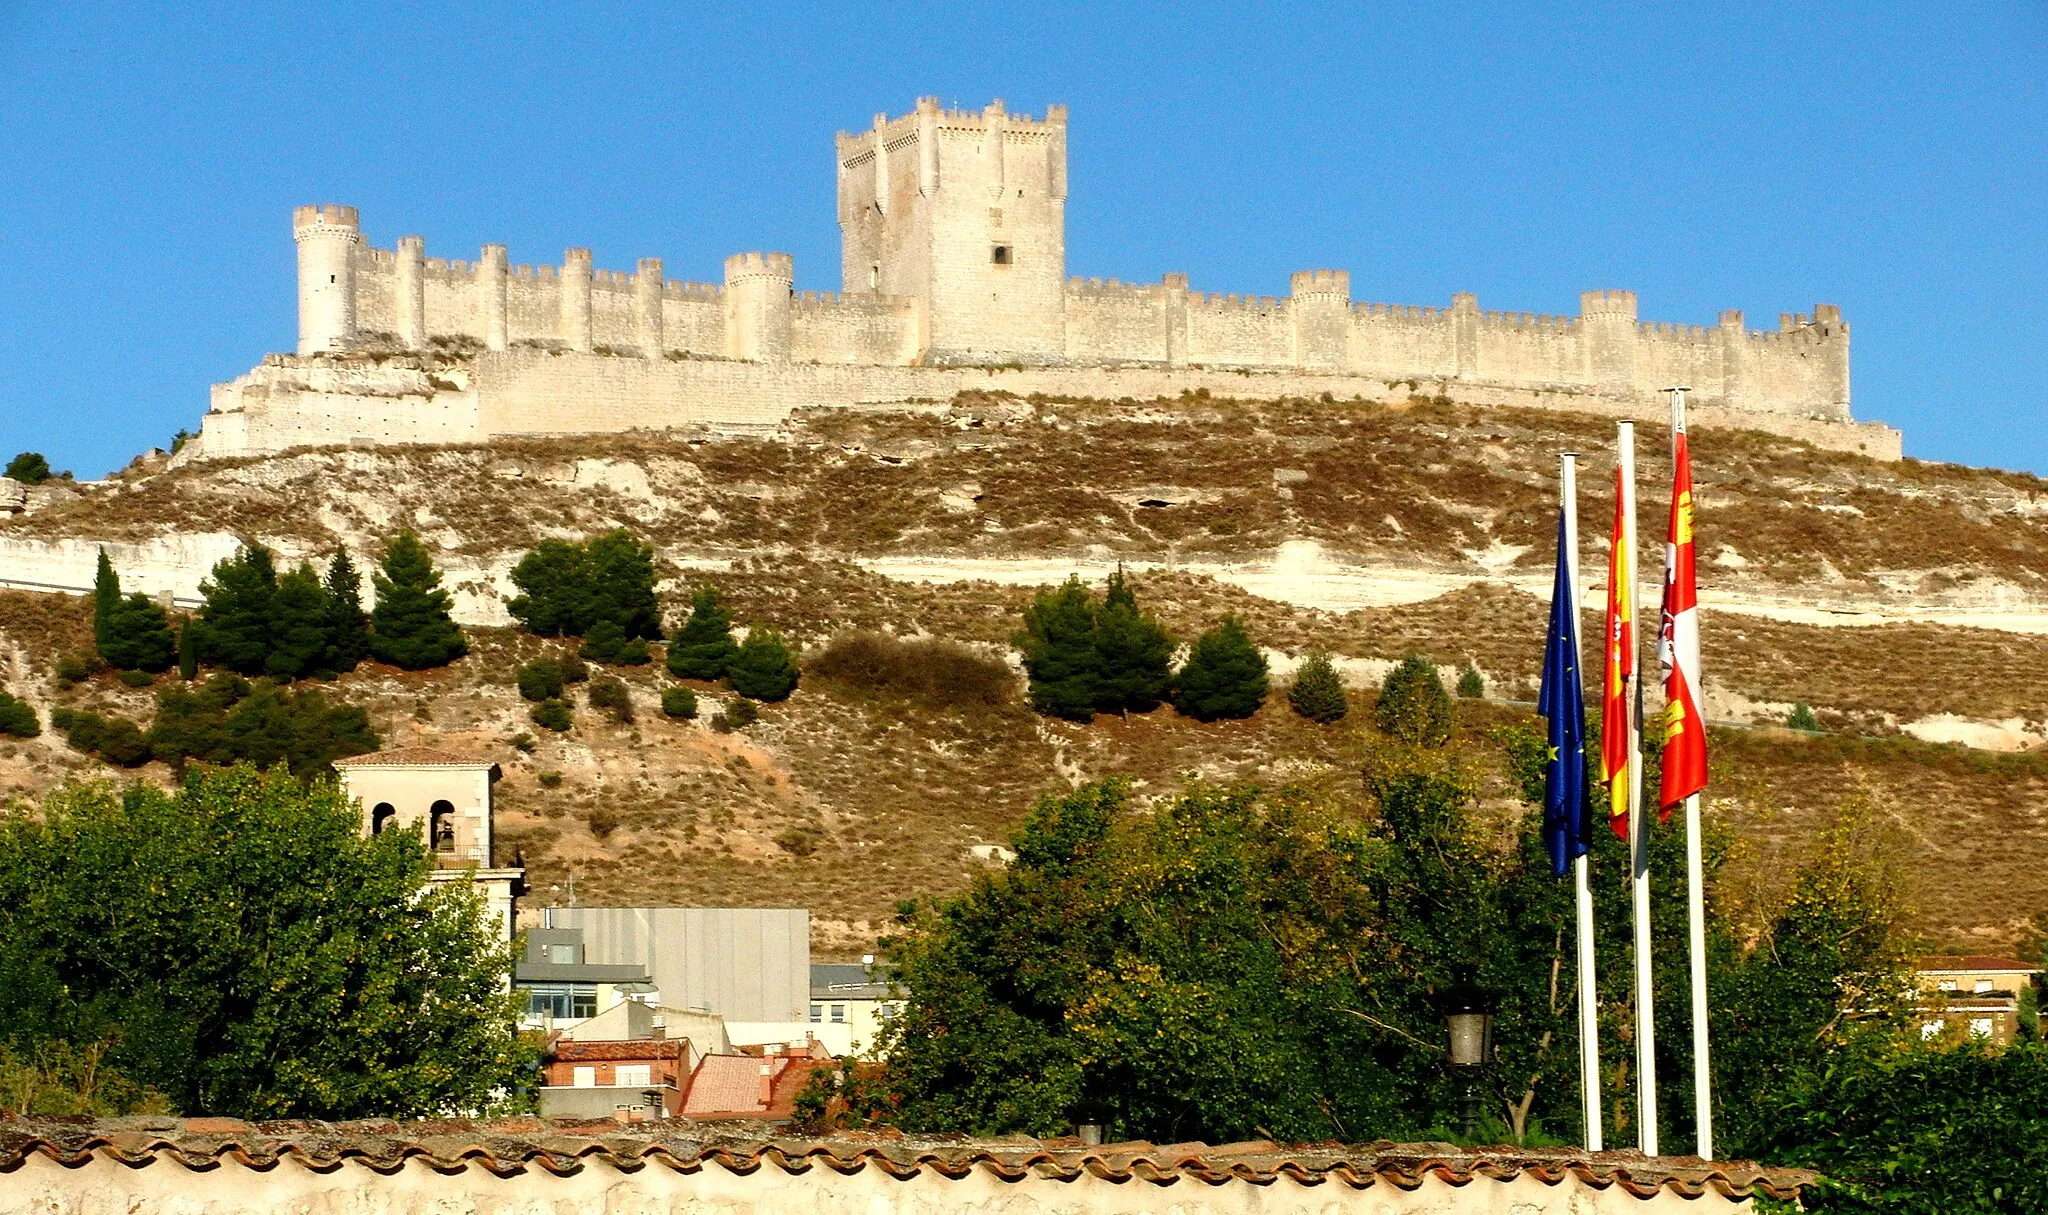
{"x":1974,"y":961}
{"x":563,"y":1147}
{"x":401,"y":756}
{"x":566,"y":1049}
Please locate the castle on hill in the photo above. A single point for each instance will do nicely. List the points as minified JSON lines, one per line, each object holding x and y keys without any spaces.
{"x":953,"y":277}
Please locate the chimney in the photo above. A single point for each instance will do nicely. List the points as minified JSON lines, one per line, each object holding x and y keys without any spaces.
{"x":767,"y":1084}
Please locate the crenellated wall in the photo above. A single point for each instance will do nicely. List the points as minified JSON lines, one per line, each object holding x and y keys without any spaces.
{"x":953,"y":254}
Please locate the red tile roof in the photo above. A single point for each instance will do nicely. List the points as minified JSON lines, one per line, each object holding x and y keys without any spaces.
{"x":566,"y":1049}
{"x":729,"y":1084}
{"x":562,"y":1147}
{"x":397,"y":757}
{"x":1974,"y":961}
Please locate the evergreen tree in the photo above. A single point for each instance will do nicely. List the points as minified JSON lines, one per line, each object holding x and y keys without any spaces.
{"x":703,"y":647}
{"x":18,"y":718}
{"x":763,"y":668}
{"x":106,"y":594}
{"x":1058,"y":641}
{"x":29,"y":468}
{"x":410,"y":627}
{"x":1471,"y":684}
{"x":235,"y":619}
{"x":188,"y":652}
{"x":554,"y":590}
{"x":1133,"y":653}
{"x":622,"y":584}
{"x":348,"y":627}
{"x":1317,"y":693}
{"x":139,"y":636}
{"x":299,"y":616}
{"x":1412,"y":705}
{"x":1225,"y":675}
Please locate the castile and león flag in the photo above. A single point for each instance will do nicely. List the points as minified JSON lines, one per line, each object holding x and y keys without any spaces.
{"x":1567,"y":816}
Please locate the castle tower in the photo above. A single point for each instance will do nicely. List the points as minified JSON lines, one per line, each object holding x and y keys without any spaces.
{"x":490,"y":295}
{"x":757,"y":306}
{"x":647,"y":307}
{"x":1607,"y":340}
{"x":965,"y":211}
{"x":576,"y":299}
{"x":1319,"y":315}
{"x":1465,"y":334}
{"x":327,"y":236}
{"x":409,"y":277}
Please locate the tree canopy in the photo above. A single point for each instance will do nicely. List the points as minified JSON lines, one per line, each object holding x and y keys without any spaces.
{"x":410,"y":626}
{"x":763,"y":668}
{"x":1413,"y":705}
{"x":568,"y":590}
{"x":239,"y":947}
{"x":1318,"y":694}
{"x":703,"y":647}
{"x":1224,"y":676}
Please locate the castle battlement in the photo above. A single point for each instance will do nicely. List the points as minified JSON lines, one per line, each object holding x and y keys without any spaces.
{"x":953,"y":253}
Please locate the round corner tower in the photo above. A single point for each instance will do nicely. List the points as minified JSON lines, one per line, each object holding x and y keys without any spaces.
{"x":757,"y":306}
{"x":327,"y":235}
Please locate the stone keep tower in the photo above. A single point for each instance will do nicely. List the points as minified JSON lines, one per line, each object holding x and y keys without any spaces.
{"x":965,"y":212}
{"x":327,"y":236}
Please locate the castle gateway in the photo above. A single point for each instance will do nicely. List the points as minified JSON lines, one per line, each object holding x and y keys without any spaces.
{"x":953,"y":278}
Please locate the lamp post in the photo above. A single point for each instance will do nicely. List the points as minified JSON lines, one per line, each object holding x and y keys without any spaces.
{"x":1468,"y":1017}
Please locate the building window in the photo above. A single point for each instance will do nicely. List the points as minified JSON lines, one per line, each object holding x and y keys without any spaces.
{"x":381,"y":816}
{"x":585,"y":1077}
{"x":562,"y":1001}
{"x":441,"y":826}
{"x":817,"y":1014}
{"x":1947,"y":985}
{"x":562,"y":955}
{"x":1980,"y":1027}
{"x":1982,"y":985}
{"x":1000,"y":255}
{"x":839,"y":1014}
{"x":875,"y":277}
{"x":641,"y":1074}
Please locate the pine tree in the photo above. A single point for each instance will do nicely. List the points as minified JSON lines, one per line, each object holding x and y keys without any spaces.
{"x":1318,"y":694}
{"x":348,"y":627}
{"x":188,"y":651}
{"x":554,"y":584}
{"x":1058,"y":641}
{"x":763,"y":669}
{"x":1471,"y":684}
{"x":1133,"y":653}
{"x":299,"y":613}
{"x":235,"y":619}
{"x":1225,"y":675}
{"x":1412,"y":705}
{"x":703,"y":647}
{"x":410,"y":627}
{"x":622,"y":584}
{"x":139,"y":636}
{"x":106,"y":595}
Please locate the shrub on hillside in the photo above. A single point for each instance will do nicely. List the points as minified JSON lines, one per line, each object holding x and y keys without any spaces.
{"x":608,"y":643}
{"x":763,"y":668}
{"x":610,"y":695}
{"x":738,"y":714}
{"x":552,"y":715}
{"x":29,"y":468}
{"x":74,"y":668}
{"x":679,"y":702}
{"x":540,"y":680}
{"x":702,"y":648}
{"x":18,"y":717}
{"x":1225,"y":675}
{"x":1471,"y":684}
{"x":114,"y":739}
{"x":136,"y":679}
{"x":938,"y":673}
{"x":228,"y":720}
{"x":1801,"y":718}
{"x":1413,"y":706}
{"x":1318,"y":694}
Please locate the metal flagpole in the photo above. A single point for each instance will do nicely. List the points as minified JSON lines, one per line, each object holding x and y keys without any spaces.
{"x":1696,"y":919}
{"x":1638,"y":828}
{"x":1589,"y":1006}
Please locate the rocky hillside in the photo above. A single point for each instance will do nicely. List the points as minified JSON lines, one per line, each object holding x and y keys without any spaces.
{"x":1367,"y":531}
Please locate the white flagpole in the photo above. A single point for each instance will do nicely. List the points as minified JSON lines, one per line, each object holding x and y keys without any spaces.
{"x":1696,"y":919}
{"x":1589,"y":1005}
{"x":1638,"y":829}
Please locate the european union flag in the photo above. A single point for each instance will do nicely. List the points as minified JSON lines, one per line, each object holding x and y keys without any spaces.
{"x":1563,"y":702}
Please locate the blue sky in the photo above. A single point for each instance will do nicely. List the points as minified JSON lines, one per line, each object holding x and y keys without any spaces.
{"x":1893,"y":160}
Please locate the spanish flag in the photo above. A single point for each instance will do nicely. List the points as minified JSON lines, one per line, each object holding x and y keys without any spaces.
{"x":1678,"y":645}
{"x":1616,"y":734}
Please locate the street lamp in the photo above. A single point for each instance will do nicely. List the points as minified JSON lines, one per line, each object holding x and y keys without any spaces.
{"x":1468,"y":1017}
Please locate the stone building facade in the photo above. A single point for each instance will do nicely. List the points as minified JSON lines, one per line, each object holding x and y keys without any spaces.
{"x":953,"y":259}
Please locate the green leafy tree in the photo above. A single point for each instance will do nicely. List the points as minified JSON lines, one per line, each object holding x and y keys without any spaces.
{"x":1225,"y":675}
{"x":237,"y":612}
{"x":703,"y":647}
{"x":252,"y":954}
{"x":29,"y":468}
{"x":410,"y":626}
{"x":299,"y":614}
{"x":348,"y":626}
{"x":1412,"y":705}
{"x":18,"y":717}
{"x":1058,"y":642}
{"x":554,"y":590}
{"x":1318,"y":694}
{"x":763,"y":669}
{"x":1133,"y":653}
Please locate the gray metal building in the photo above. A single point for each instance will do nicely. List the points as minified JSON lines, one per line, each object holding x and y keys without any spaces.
{"x":744,"y":963}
